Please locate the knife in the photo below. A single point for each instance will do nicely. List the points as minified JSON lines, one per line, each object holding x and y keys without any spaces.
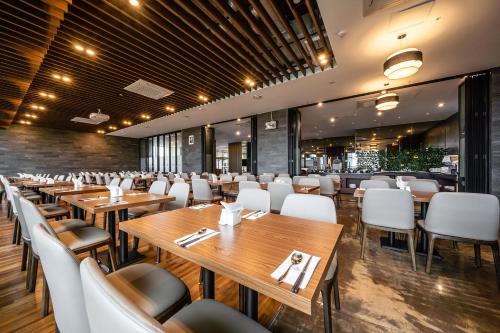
{"x":252,"y":214}
{"x":196,"y":239}
{"x":297,"y":283}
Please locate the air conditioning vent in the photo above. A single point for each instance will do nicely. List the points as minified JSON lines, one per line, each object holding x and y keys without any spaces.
{"x":148,"y":89}
{"x":372,"y":6}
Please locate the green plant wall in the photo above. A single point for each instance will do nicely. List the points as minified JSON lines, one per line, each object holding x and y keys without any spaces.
{"x":411,"y":159}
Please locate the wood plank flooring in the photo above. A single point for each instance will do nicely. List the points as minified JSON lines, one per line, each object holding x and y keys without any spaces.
{"x":379,"y":294}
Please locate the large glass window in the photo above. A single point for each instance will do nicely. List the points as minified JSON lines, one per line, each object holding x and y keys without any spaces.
{"x":162,"y":153}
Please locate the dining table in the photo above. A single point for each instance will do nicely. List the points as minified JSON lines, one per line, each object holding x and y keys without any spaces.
{"x":100,"y":202}
{"x":52,"y":194}
{"x":302,"y":189}
{"x":246,"y":253}
{"x":390,"y":242}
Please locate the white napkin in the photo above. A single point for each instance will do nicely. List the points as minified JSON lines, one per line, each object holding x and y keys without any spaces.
{"x":201,"y":206}
{"x":121,"y":202}
{"x":208,"y":234}
{"x":294,"y":272}
{"x":115,"y":191}
{"x":136,"y":193}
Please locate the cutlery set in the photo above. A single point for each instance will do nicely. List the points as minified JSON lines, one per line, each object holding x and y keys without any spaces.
{"x":195,"y":237}
{"x":254,"y":215}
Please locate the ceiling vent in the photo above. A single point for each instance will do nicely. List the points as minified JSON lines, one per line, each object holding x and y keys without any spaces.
{"x":372,"y":6}
{"x":148,"y":89}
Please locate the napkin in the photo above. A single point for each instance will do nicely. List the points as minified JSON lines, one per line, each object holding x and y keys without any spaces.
{"x":294,"y":272}
{"x":136,"y":193}
{"x":201,"y":206}
{"x":121,"y":202}
{"x":115,"y":191}
{"x":92,"y":199}
{"x":208,"y":234}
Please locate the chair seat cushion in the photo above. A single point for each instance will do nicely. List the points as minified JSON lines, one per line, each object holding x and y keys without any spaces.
{"x":210,"y":316}
{"x":67,"y":224}
{"x":33,"y":197}
{"x":153,"y":289}
{"x":136,"y":212}
{"x":82,"y":238}
{"x":53,"y":211}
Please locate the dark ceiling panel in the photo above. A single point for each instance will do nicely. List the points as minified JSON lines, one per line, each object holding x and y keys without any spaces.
{"x":192,"y":47}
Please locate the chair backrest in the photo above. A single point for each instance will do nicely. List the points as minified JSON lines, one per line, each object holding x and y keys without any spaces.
{"x":98,"y":180}
{"x":61,"y":178}
{"x":392,"y":182}
{"x":268,"y":174}
{"x":326,"y":185}
{"x":366,"y":184}
{"x":184,"y":175}
{"x":248,"y":184}
{"x":171,"y":175}
{"x":284,"y":175}
{"x":283,"y":180}
{"x":62,"y":272}
{"x":310,"y":207}
{"x":313,"y":175}
{"x":115,"y":182}
{"x":423,"y":185}
{"x":212,"y":177}
{"x":254,"y":199}
{"x":313,"y":181}
{"x":179,"y":180}
{"x":240,"y":178}
{"x":88,"y":180}
{"x":251,"y":178}
{"x":278,"y":192}
{"x":234,"y":174}
{"x":158,"y":187}
{"x":126,"y":184}
{"x":295,"y":179}
{"x":379,"y":177}
{"x":181,"y":193}
{"x":108,"y":309}
{"x":195,"y":177}
{"x":201,"y":190}
{"x":226,"y":177}
{"x":32,"y":217}
{"x":17,"y":206}
{"x":7,"y":188}
{"x":465,"y":215}
{"x":264,"y":178}
{"x":392,"y":208}
{"x":107,"y":179}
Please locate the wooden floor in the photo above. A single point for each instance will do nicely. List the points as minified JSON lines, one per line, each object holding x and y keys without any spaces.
{"x":379,"y":294}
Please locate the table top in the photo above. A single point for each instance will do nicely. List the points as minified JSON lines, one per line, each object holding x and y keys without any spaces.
{"x":417,"y":195}
{"x":304,"y":189}
{"x":69,"y":190}
{"x":130,"y":198}
{"x":249,"y":252}
{"x":33,"y":184}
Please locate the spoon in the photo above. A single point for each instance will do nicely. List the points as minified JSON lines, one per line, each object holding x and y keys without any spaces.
{"x":199,"y":232}
{"x":295,"y":259}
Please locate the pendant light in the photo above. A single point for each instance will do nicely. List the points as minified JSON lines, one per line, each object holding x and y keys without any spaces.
{"x":403,"y":63}
{"x":387,"y":101}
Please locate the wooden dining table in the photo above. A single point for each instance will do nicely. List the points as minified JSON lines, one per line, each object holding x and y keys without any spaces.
{"x":38,"y":184}
{"x":303,"y":189}
{"x":390,"y":242}
{"x":81,"y":205}
{"x":53,"y":193}
{"x":247,"y":253}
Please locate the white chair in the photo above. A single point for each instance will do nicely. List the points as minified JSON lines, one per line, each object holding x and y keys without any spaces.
{"x":226,"y":177}
{"x":309,"y":181}
{"x":313,"y":175}
{"x":158,"y":187}
{"x":248,"y":184}
{"x":98,"y":180}
{"x":283,"y":180}
{"x":212,"y":177}
{"x":318,"y":208}
{"x":327,"y":187}
{"x":392,"y":182}
{"x":423,"y":185}
{"x":107,"y":179}
{"x":179,"y":180}
{"x":127,"y":184}
{"x":184,"y":176}
{"x":238,"y":178}
{"x":88,"y":180}
{"x":408,"y":178}
{"x":234,"y":174}
{"x":68,"y":179}
{"x":266,"y":178}
{"x":296,"y":179}
{"x":279,"y":192}
{"x":195,"y":177}
{"x":378,"y":177}
{"x":255,"y":199}
{"x":366,"y":184}
{"x":463,"y":217}
{"x":251,"y":178}
{"x":284,"y":175}
{"x":390,"y":210}
{"x":203,"y":193}
{"x":115,"y":182}
{"x":110,"y":310}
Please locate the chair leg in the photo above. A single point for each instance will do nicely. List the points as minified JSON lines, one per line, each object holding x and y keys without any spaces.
{"x":496,"y":260}
{"x":112,"y":257}
{"x":430,"y":251}
{"x":326,"y":294}
{"x":33,"y":273}
{"x":9,"y":209}
{"x":363,"y":240}
{"x":200,"y":278}
{"x":336,"y":293}
{"x":28,"y":273}
{"x":411,"y":247}
{"x":93,"y":253}
{"x":105,"y":223}
{"x":24,"y":257}
{"x":14,"y":232}
{"x":45,"y":298}
{"x":477,"y":254}
{"x":19,"y":234}
{"x":158,"y":255}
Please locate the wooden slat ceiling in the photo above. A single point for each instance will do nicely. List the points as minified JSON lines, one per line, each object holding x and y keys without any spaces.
{"x":192,"y":47}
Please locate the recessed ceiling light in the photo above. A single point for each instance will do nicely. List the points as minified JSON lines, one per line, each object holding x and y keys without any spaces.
{"x":113,"y":128}
{"x":145,"y":116}
{"x":208,"y":125}
{"x":43,"y":94}
{"x":440,"y":104}
{"x":79,"y":48}
{"x":66,"y":78}
{"x":250,"y":82}
{"x":134,"y":3}
{"x":341,"y":33}
{"x":379,"y":113}
{"x":25,"y":122}
{"x":323,"y":58}
{"x":239,"y":119}
{"x":203,"y":98}
{"x":249,"y":136}
{"x":332,"y":119}
{"x":387,"y":101}
{"x":101,"y":131}
{"x":238,"y":132}
{"x":320,"y":104}
{"x":56,"y":76}
{"x":127,"y":122}
{"x":170,"y":108}
{"x":427,"y":113}
{"x":90,"y":52}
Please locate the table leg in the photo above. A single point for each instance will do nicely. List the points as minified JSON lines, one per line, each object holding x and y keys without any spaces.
{"x":422,"y":244}
{"x":251,"y":304}
{"x":75,"y":211}
{"x":390,"y":242}
{"x":126,"y":257}
{"x":208,"y":283}
{"x":242,"y":299}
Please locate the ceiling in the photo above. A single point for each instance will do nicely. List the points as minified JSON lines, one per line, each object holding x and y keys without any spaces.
{"x":208,"y":48}
{"x":416,"y":104}
{"x":455,"y":38}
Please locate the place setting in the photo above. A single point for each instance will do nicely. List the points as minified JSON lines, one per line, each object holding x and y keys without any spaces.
{"x":196,"y":237}
{"x":296,"y":270}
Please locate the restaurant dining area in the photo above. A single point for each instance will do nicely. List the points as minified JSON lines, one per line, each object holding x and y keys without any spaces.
{"x":227,"y":166}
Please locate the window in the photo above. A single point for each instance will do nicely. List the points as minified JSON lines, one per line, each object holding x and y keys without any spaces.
{"x":161,"y":153}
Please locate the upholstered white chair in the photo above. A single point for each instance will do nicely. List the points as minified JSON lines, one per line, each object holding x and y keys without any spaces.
{"x":255,"y":199}
{"x":390,"y":210}
{"x":110,"y":310}
{"x":127,"y":184}
{"x":251,"y":178}
{"x":283,"y":180}
{"x":309,"y":181}
{"x":284,"y":175}
{"x":202,"y":192}
{"x":296,"y":179}
{"x":313,"y":175}
{"x":248,"y":184}
{"x":266,"y":178}
{"x":318,"y":208}
{"x":327,"y":187}
{"x":98,"y":180}
{"x":88,"y":180}
{"x":179,"y":180}
{"x":68,"y":178}
{"x":115,"y":182}
{"x":212,"y":177}
{"x":464,"y":217}
{"x":195,"y":177}
{"x":157,"y":187}
{"x":226,"y":177}
{"x":239,"y":178}
{"x":423,"y":185}
{"x":279,"y":192}
{"x":184,"y":175}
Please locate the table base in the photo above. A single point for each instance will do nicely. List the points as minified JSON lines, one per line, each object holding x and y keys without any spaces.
{"x":391,"y":243}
